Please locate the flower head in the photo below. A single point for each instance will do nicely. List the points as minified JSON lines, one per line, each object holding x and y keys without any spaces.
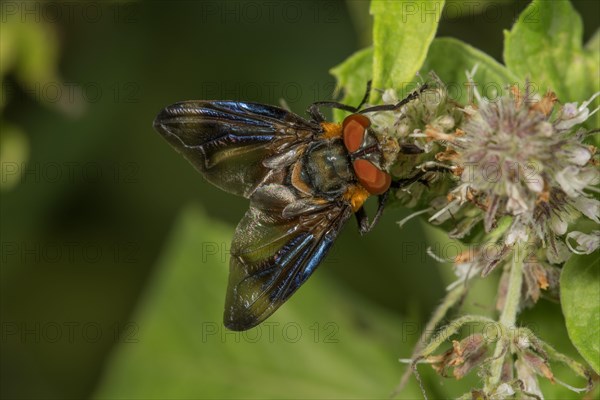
{"x":523,"y":158}
{"x":519,"y":160}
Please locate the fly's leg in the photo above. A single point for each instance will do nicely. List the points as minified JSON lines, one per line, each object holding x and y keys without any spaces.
{"x":393,"y":107}
{"x":410,"y":149}
{"x":364,"y":226}
{"x":366,"y":96}
{"x":316,"y":115}
{"x":363,"y":220}
{"x":430,"y":166}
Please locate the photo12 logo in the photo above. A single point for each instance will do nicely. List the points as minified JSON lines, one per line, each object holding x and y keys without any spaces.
{"x":269,"y":11}
{"x":271,"y":332}
{"x":67,"y":12}
{"x":67,"y":332}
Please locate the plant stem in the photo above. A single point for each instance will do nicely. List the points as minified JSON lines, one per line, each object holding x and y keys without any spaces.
{"x":451,"y":299}
{"x":508,"y":317}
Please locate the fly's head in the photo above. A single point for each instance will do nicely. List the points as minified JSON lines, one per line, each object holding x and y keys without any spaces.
{"x":371,"y":154}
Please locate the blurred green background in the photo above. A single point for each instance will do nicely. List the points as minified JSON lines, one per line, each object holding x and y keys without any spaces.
{"x":114,"y":248}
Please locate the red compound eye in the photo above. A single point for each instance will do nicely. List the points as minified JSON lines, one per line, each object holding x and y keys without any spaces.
{"x":354,"y":127}
{"x":372,"y":178}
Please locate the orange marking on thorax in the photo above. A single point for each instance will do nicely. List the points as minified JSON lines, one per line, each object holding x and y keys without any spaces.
{"x":356,"y":195}
{"x":331,"y":130}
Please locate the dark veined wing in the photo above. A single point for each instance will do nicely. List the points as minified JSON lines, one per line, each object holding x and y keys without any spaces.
{"x":275,"y":249}
{"x":228,"y":140}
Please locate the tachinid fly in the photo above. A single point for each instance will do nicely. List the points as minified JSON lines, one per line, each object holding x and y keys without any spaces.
{"x":304,"y":179}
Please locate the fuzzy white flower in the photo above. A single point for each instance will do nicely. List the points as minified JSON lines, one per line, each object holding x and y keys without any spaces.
{"x":520,"y":159}
{"x":572,"y":115}
{"x":516,"y":233}
{"x":503,"y":391}
{"x":579,"y":155}
{"x":573,"y":179}
{"x":589,"y":207}
{"x":558,"y":225}
{"x":586,"y":244}
{"x":558,"y":253}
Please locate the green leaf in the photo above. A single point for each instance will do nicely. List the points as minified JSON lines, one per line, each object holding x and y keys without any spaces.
{"x":323,"y":343}
{"x":580,"y":299}
{"x":451,"y":58}
{"x":362,"y":21}
{"x":402,"y":33}
{"x":14,"y":152}
{"x":592,"y":48}
{"x":456,"y":9}
{"x":352,"y":76}
{"x":593,"y":45}
{"x":545,"y":45}
{"x":31,"y":50}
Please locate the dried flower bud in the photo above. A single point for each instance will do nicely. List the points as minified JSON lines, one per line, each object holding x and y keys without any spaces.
{"x":463,"y":356}
{"x":528,"y":378}
{"x":537,"y":363}
{"x":536,"y":279}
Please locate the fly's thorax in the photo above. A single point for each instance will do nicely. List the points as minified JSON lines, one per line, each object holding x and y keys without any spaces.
{"x":326,"y":167}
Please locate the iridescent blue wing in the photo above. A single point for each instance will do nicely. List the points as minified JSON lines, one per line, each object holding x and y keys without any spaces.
{"x":276,"y":247}
{"x":228,"y":141}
